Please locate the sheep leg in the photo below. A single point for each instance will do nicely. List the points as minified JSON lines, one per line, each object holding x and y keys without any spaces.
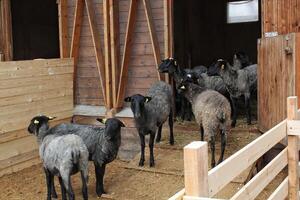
{"x":142,"y":141}
{"x":158,"y":137}
{"x":212,"y":148}
{"x":171,"y":139}
{"x":247,"y":105}
{"x":84,"y":185}
{"x":234,"y":111}
{"x":151,"y":145}
{"x":63,"y":189}
{"x":223,"y":145}
{"x":48,"y":181}
{"x":202,"y":133}
{"x":99,"y":170}
{"x":67,"y":184}
{"x":53,"y":192}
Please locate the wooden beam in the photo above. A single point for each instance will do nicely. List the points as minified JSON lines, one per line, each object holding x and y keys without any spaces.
{"x":63,"y":28}
{"x":114,"y":44}
{"x":97,"y":46}
{"x":196,"y":169}
{"x":154,"y":41}
{"x":225,"y":172}
{"x":263,"y":178}
{"x":127,"y":50}
{"x":7,"y":41}
{"x":107,"y":54}
{"x":293,"y":152}
{"x":281,"y":191}
{"x":74,"y":52}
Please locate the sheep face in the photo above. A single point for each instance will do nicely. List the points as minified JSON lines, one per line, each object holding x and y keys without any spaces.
{"x":167,"y":65}
{"x":37,"y":122}
{"x":137,"y":103}
{"x":112,"y":127}
{"x":241,"y":60}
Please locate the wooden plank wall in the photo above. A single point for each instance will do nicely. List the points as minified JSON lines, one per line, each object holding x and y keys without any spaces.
{"x":280,"y":16}
{"x":142,"y":67}
{"x":277,"y":72}
{"x":29,"y":88}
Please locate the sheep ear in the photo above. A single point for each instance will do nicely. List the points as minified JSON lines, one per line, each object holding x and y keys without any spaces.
{"x":183,"y":87}
{"x":36,"y":121}
{"x":175,"y":63}
{"x":127,"y":99}
{"x":222,"y":66}
{"x":189,"y":76}
{"x":101,"y":120}
{"x":51,"y":118}
{"x":147,"y":99}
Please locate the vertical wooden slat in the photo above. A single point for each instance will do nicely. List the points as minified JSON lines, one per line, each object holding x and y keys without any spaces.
{"x":154,"y":41}
{"x":107,"y":54}
{"x":74,"y":52}
{"x":127,"y":51}
{"x":6,"y":30}
{"x":196,"y":169}
{"x":293,"y":152}
{"x":97,"y":46}
{"x":168,"y":31}
{"x":114,"y":43}
{"x":63,"y":28}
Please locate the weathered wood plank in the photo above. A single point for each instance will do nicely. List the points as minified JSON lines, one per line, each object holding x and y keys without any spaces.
{"x":281,"y":191}
{"x":63,"y":28}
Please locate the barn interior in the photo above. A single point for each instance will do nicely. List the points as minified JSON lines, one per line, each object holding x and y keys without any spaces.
{"x":203,"y":32}
{"x":35,"y":29}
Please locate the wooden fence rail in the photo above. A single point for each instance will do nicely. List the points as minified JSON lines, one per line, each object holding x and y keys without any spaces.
{"x":203,"y":184}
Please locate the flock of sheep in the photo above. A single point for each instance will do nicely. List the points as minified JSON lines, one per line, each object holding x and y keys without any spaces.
{"x":65,"y":149}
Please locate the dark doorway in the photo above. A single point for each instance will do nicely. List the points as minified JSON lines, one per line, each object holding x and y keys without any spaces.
{"x":35,"y":29}
{"x":202,"y":34}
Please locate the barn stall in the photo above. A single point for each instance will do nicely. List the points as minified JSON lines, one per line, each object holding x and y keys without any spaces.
{"x":116,"y":47}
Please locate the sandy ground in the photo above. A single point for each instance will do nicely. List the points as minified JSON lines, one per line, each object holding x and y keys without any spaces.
{"x":127,"y":181}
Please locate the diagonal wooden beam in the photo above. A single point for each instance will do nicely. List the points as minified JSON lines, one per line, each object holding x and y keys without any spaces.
{"x":154,"y":41}
{"x":63,"y":28}
{"x":74,"y":52}
{"x":107,"y":52}
{"x":97,"y":46}
{"x":127,"y":51}
{"x":114,"y":43}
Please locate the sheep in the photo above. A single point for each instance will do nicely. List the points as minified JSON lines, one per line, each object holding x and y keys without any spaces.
{"x":238,"y":82}
{"x":212,"y":112}
{"x":240,"y":60}
{"x":103,"y":144}
{"x":62,"y":156}
{"x":150,"y":112}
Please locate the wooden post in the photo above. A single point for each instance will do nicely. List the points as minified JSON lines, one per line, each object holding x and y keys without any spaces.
{"x":6,"y":30}
{"x":63,"y":28}
{"x":293,"y":149}
{"x":196,"y":169}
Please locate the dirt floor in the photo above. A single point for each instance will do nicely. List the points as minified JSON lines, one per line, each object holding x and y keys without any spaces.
{"x":127,"y":181}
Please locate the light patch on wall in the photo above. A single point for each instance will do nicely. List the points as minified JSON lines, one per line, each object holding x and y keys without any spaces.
{"x":242,"y":11}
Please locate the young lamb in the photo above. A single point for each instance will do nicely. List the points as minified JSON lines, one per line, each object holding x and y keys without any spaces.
{"x":102,"y":143}
{"x":62,"y":156}
{"x":212,"y":112}
{"x":150,"y":112}
{"x":238,"y":82}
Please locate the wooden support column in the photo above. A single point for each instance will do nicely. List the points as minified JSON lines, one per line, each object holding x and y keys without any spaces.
{"x":127,"y":51}
{"x":154,"y":41}
{"x":293,"y":152}
{"x":168,"y":32}
{"x":97,"y":46}
{"x":74,"y":52}
{"x":6,"y":30}
{"x":63,"y":28}
{"x":107,"y":54}
{"x":114,"y":44}
{"x":196,"y":169}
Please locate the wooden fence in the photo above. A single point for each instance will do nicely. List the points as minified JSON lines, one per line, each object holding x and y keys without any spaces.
{"x":202,"y":184}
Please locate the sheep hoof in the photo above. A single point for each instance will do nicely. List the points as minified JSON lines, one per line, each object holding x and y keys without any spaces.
{"x":152,"y":164}
{"x":141,"y":163}
{"x":157,"y":140}
{"x":171,"y":142}
{"x":233,"y":124}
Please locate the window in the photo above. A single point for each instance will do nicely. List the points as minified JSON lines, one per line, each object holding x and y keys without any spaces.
{"x":242,"y":11}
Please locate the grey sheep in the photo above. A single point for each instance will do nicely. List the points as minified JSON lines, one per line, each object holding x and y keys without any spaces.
{"x":150,"y":112}
{"x":238,"y":82}
{"x":102,"y":143}
{"x":62,"y":156}
{"x":212,"y":112}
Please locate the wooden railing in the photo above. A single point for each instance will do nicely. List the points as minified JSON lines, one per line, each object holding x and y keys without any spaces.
{"x":202,"y":184}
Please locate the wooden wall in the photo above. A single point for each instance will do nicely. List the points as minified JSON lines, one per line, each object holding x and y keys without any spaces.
{"x":29,"y":88}
{"x":142,"y":66}
{"x":280,"y":16}
{"x":278,"y":77}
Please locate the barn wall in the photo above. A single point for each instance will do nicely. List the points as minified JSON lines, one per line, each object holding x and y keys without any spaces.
{"x":280,"y":16}
{"x":142,"y":68}
{"x":29,"y":88}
